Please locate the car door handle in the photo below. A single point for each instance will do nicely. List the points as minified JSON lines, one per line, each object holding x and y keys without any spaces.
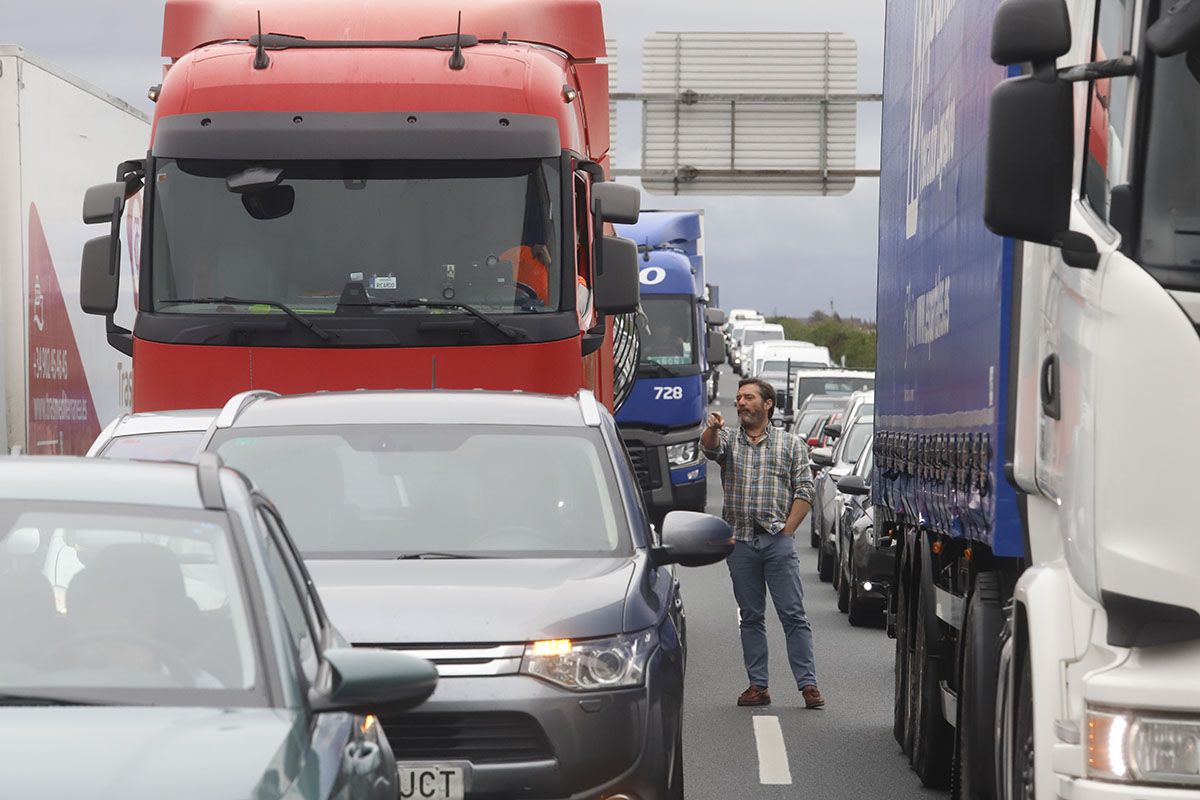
{"x":1051,"y":387}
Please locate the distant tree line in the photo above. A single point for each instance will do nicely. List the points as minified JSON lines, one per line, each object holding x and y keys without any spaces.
{"x":849,"y":337}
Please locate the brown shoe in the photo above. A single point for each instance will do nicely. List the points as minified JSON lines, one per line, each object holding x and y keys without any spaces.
{"x":755,"y":696}
{"x":812,"y":697}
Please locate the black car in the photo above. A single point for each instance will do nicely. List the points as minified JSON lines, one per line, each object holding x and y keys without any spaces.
{"x":866,"y":563}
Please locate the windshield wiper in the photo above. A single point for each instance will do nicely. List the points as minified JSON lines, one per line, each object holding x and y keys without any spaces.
{"x":420,"y":302}
{"x":17,"y":699}
{"x":324,"y":335}
{"x":430,"y":555}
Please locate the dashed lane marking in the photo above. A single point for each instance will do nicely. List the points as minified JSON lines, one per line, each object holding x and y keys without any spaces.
{"x":773,"y":769}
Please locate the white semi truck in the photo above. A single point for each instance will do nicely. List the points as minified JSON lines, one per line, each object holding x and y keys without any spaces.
{"x":59,"y":378}
{"x":1036,"y":402}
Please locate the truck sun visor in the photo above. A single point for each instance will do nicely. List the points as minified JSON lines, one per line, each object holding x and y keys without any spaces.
{"x":384,"y":135}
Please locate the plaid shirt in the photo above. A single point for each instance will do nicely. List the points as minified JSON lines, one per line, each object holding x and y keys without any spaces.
{"x":761,"y":481}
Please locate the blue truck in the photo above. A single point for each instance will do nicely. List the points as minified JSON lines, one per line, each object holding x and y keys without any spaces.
{"x":662,"y":418}
{"x":1037,"y":298}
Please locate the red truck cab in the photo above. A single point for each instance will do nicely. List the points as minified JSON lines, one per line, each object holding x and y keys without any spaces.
{"x":372,"y":197}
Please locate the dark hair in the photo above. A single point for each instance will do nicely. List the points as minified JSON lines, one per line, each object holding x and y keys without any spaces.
{"x":765,"y":390}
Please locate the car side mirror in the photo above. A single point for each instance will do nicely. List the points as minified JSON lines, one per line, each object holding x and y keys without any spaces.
{"x":99,"y":277}
{"x":853,"y":484}
{"x":1030,"y":125}
{"x":822,"y":456}
{"x":616,"y":202}
{"x":371,"y":681}
{"x":833,"y":430}
{"x":716,"y":348}
{"x":692,"y":539}
{"x":617,"y":288}
{"x":714,"y":317}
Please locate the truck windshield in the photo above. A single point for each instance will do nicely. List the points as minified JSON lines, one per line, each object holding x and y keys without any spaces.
{"x":123,"y":605}
{"x":304,"y":233}
{"x":1170,"y":232}
{"x":474,"y":491}
{"x":668,"y":335}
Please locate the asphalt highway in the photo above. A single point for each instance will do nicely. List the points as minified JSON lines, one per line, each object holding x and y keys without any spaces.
{"x":845,"y":750}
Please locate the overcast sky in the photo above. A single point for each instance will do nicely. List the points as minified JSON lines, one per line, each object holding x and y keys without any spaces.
{"x":777,"y":254}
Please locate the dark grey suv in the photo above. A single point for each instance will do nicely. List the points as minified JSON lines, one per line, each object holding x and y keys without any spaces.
{"x":502,"y":536}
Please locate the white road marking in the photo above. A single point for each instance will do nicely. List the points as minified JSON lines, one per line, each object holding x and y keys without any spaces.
{"x":773,"y":766}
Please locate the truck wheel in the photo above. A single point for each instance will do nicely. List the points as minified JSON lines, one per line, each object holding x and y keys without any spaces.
{"x":900,"y":706}
{"x":974,"y":736}
{"x":1022,"y":781}
{"x":932,"y":745}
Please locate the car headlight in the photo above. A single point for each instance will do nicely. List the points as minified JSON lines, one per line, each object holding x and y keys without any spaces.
{"x":682,"y":455}
{"x":1143,"y":749}
{"x":592,"y":664}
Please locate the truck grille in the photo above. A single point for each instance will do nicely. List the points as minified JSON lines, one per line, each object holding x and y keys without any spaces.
{"x":645,"y":465}
{"x":481,"y":738}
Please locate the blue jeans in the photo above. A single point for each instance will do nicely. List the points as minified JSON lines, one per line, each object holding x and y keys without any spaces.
{"x":770,"y":562}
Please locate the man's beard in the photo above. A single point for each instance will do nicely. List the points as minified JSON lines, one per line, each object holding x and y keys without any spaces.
{"x":752,"y":418}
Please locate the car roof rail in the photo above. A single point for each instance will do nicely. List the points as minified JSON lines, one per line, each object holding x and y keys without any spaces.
{"x":208,"y":473}
{"x":238,"y":403}
{"x":590,"y":408}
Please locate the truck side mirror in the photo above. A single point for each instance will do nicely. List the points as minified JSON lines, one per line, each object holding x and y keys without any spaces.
{"x":617,"y":288}
{"x":99,"y":277}
{"x":1026,"y":31}
{"x":615,"y":202}
{"x":1031,"y":125}
{"x":102,"y":202}
{"x":716,"y":348}
{"x":714,"y":317}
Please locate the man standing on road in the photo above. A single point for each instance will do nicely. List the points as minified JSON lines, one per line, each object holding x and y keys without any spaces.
{"x":768,"y":492}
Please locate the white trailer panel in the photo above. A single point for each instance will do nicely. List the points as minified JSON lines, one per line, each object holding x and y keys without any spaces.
{"x":58,"y":136}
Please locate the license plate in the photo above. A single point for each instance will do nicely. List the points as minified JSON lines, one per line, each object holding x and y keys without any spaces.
{"x":430,"y":782}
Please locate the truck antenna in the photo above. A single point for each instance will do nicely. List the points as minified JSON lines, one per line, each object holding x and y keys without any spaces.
{"x":261,"y":59}
{"x":457,"y":61}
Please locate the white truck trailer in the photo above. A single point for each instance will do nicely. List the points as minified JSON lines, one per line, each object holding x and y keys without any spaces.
{"x":1036,"y":423}
{"x":59,"y":378}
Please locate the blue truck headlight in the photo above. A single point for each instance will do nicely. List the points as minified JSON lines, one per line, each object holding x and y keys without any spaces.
{"x":682,"y":455}
{"x":592,"y":664}
{"x":1148,"y":748}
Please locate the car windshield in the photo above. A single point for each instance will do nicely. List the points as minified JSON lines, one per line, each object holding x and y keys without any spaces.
{"x":752,"y":336}
{"x":831,"y":385}
{"x":383,"y":491}
{"x":303,"y":232}
{"x":856,"y":440}
{"x":116,"y":604}
{"x":165,"y":446}
{"x":808,"y":422}
{"x":668,"y":335}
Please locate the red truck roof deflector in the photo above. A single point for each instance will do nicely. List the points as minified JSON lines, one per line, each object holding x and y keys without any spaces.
{"x":573,"y":26}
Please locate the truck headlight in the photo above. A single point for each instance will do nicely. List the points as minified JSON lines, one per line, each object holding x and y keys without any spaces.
{"x":592,"y":664}
{"x":1143,"y":749}
{"x":682,"y":455}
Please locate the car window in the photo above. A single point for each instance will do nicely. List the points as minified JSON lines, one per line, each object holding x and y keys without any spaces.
{"x":856,"y":440}
{"x":287,"y":584}
{"x":111,"y":600}
{"x":385,"y":491}
{"x":166,"y":446}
